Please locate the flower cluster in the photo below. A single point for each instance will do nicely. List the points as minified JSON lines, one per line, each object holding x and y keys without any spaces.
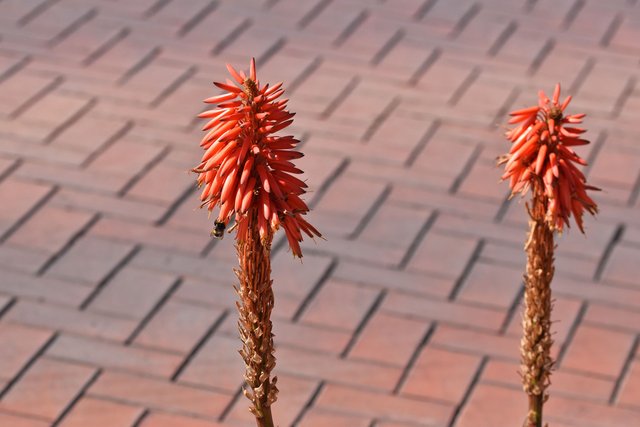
{"x":247,"y":166}
{"x":541,"y":154}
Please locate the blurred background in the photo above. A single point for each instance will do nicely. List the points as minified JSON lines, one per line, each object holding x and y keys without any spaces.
{"x":117,"y":308}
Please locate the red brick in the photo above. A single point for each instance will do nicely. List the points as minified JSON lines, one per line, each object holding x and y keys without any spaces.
{"x":132,"y":293}
{"x":322,"y":418}
{"x":393,"y":279}
{"x":586,"y":412}
{"x":318,"y":365}
{"x":63,"y":381}
{"x":491,"y":285}
{"x":19,"y":88}
{"x":623,"y":266}
{"x":630,"y":390}
{"x":159,"y":419}
{"x":177,"y":326}
{"x":387,"y":338}
{"x":90,"y":260}
{"x":70,"y":320}
{"x":441,"y":375}
{"x":345,"y":204}
{"x":22,"y":259}
{"x":112,"y":355}
{"x":309,"y":337}
{"x":598,"y":350}
{"x":492,"y":405}
{"x":43,"y":288}
{"x":164,"y":183}
{"x":340,"y":305}
{"x":89,"y":133}
{"x":18,"y":344}
{"x":54,"y":109}
{"x":395,"y":226}
{"x":612,"y":316}
{"x":155,"y":236}
{"x":101,"y":413}
{"x":108,"y":205}
{"x":443,"y":255}
{"x":23,"y":195}
{"x":217,"y":364}
{"x":161,"y":395}
{"x":295,"y":278}
{"x":152,"y":80}
{"x":73,"y":178}
{"x":467,"y":340}
{"x":378,"y":405}
{"x":443,"y":311}
{"x":50,"y":229}
{"x":125,"y":158}
{"x":19,"y":421}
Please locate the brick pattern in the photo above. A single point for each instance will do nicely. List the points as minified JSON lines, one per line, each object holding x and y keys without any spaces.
{"x":116,"y":309}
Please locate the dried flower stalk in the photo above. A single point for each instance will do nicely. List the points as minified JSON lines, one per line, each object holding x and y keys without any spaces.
{"x":541,"y":159}
{"x":254,"y":323}
{"x":535,"y":346}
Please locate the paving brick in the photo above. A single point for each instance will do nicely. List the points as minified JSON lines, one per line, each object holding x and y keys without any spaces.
{"x":132,"y":293}
{"x":55,"y":109}
{"x":441,"y":375}
{"x":159,"y":419}
{"x":389,"y":339}
{"x":18,"y":345}
{"x":20,"y":421}
{"x":216,"y":364}
{"x":101,"y":413}
{"x":444,"y":311}
{"x":477,"y":342}
{"x":24,"y":196}
{"x":313,"y":364}
{"x":491,"y":285}
{"x":159,"y":394}
{"x":70,"y":320}
{"x":491,"y":405}
{"x":321,"y":418}
{"x":90,"y":260}
{"x":341,"y":305}
{"x":357,"y":401}
{"x":164,"y":183}
{"x":108,"y":205}
{"x":177,"y":326}
{"x":112,"y":355}
{"x":598,"y":350}
{"x":393,"y":279}
{"x":63,"y":382}
{"x":43,"y":288}
{"x":89,"y":133}
{"x":19,"y":88}
{"x":622,"y":266}
{"x":25,"y":260}
{"x":443,"y":255}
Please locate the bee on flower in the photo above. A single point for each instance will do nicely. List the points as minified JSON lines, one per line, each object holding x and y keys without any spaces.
{"x":246,"y":165}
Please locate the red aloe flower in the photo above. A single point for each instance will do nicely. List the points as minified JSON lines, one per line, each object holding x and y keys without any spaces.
{"x":541,"y":152}
{"x":247,"y":165}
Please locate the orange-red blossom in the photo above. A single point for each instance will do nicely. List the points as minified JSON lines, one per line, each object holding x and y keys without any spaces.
{"x":246,"y":165}
{"x":541,"y":150}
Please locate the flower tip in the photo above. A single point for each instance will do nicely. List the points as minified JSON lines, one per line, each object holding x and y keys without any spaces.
{"x":556,"y":93}
{"x":252,"y":69}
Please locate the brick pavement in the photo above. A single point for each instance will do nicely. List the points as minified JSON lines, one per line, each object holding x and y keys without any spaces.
{"x":116,"y":309}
